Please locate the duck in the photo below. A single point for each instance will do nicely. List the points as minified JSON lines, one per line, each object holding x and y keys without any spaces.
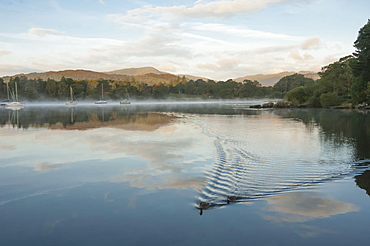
{"x":231,"y":198}
{"x":203,"y":205}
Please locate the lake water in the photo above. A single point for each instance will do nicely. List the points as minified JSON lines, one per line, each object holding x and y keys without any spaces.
{"x":155,"y":173}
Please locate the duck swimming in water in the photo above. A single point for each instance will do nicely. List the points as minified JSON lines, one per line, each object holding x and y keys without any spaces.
{"x":203,"y":205}
{"x":231,"y":198}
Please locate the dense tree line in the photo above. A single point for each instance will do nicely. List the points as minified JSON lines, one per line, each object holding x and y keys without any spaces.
{"x":38,"y":89}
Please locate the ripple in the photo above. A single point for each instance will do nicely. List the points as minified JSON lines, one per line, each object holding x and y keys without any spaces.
{"x":243,"y":170}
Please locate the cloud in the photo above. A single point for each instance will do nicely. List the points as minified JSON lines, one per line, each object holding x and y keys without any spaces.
{"x":10,"y":69}
{"x":42,"y":32}
{"x":297,"y":56}
{"x":221,"y":9}
{"x":214,"y":9}
{"x":312,"y":43}
{"x":168,"y":68}
{"x":102,"y":2}
{"x":223,"y":64}
{"x":240,"y":31}
{"x":4,"y":52}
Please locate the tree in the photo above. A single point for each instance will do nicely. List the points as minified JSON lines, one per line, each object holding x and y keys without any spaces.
{"x":330,"y":99}
{"x":290,"y":82}
{"x":337,"y":77}
{"x":297,"y":96}
{"x":248,"y":88}
{"x":361,"y":68}
{"x":2,"y":89}
{"x":362,"y":53}
{"x":51,"y":88}
{"x":160,"y":91}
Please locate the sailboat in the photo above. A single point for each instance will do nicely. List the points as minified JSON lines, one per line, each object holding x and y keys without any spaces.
{"x":71,"y":102}
{"x":101,"y":101}
{"x":15,"y":104}
{"x":127,"y":100}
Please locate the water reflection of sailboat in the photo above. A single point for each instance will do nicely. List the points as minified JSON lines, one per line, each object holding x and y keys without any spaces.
{"x":13,"y":118}
{"x":126,"y":100}
{"x":71,"y":102}
{"x":102,"y":114}
{"x":15,"y":104}
{"x":72,"y":115}
{"x":101,"y":101}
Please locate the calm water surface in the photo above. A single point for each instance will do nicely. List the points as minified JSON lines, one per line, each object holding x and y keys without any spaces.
{"x":161,"y":174}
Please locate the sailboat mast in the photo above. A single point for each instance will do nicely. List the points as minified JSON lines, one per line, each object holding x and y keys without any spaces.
{"x":16,"y":92}
{"x":127,"y":96}
{"x":7,"y":91}
{"x":102,"y":97}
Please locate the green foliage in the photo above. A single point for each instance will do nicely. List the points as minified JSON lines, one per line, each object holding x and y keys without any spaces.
{"x":359,"y":90}
{"x":2,"y":89}
{"x":361,"y":66}
{"x":297,"y":96}
{"x":330,"y":99}
{"x":160,"y":91}
{"x":337,"y":77}
{"x":362,"y":45}
{"x":290,"y":82}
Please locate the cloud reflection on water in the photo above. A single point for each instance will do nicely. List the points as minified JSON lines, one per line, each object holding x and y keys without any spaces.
{"x":297,"y":208}
{"x":172,"y":153}
{"x":300,"y":207}
{"x":46,"y":166}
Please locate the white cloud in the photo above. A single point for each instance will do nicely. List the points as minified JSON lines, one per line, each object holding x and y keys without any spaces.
{"x":223,"y":64}
{"x":214,"y":9}
{"x":221,"y":9}
{"x":102,"y":2}
{"x":297,"y":56}
{"x":241,"y":32}
{"x":42,"y":32}
{"x":312,"y":43}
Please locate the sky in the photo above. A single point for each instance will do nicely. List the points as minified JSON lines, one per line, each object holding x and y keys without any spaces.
{"x":214,"y":39}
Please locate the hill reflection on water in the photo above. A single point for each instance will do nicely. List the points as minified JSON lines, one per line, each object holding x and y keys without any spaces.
{"x":84,"y":118}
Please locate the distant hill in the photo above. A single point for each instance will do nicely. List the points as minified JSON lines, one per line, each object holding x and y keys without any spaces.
{"x":73,"y":74}
{"x":136,"y":71}
{"x":271,"y":79}
{"x":152,"y":79}
{"x":147,"y":75}
{"x":150,"y":76}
